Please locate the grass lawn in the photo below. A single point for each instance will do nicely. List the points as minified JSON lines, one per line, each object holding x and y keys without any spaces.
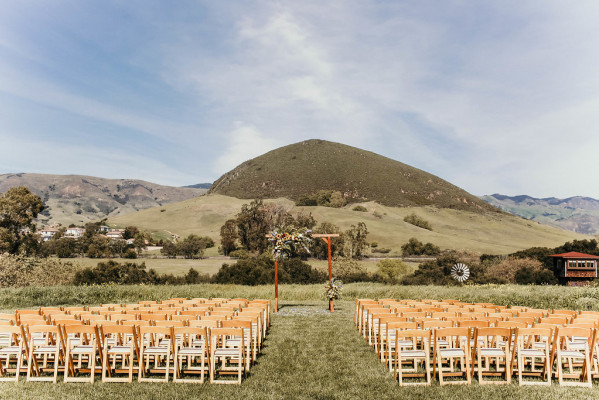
{"x":309,"y":353}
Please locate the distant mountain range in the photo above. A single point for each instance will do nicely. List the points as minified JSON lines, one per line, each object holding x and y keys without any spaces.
{"x":199,"y":186}
{"x":577,"y":214}
{"x":79,"y":199}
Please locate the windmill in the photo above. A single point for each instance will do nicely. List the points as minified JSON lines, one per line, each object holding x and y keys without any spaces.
{"x":460,"y":272}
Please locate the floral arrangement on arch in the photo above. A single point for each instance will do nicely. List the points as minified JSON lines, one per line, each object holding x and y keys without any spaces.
{"x":333,"y":289}
{"x":285,"y":243}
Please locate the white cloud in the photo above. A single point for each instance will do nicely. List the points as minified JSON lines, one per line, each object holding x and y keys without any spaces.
{"x":244,"y":142}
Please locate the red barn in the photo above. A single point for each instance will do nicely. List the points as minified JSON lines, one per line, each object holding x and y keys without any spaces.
{"x":575,"y":269}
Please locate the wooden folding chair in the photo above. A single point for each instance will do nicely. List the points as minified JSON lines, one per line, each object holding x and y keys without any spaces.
{"x":191,"y":354}
{"x":120,"y":349}
{"x":391,"y":333}
{"x":533,"y":344}
{"x":248,"y":342}
{"x":382,"y":336}
{"x":570,"y":344}
{"x":45,"y":347}
{"x":230,"y":360}
{"x":13,"y":345}
{"x":493,"y":345}
{"x":419,"y":353}
{"x":457,"y":352}
{"x":155,"y":352}
{"x":82,"y":343}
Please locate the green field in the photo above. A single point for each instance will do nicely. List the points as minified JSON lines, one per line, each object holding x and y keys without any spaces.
{"x":452,"y":229}
{"x":181,"y":266}
{"x":309,"y":353}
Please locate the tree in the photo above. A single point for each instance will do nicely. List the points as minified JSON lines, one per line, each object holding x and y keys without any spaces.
{"x":355,"y":241}
{"x":169,"y":249}
{"x":18,"y":208}
{"x":253,"y":226}
{"x":139,"y":242}
{"x":192,"y":246}
{"x":319,"y":248}
{"x":228,"y":237}
{"x":130,"y":232}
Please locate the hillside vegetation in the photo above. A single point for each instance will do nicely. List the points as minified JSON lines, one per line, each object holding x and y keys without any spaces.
{"x":495,"y":233}
{"x":577,"y":214}
{"x":361,"y":176}
{"x":79,"y":199}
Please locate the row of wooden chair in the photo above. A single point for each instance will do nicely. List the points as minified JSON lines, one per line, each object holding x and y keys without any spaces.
{"x":212,"y":345}
{"x":487,"y":344}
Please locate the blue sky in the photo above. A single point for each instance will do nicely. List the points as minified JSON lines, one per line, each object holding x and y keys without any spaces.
{"x":493,"y":96}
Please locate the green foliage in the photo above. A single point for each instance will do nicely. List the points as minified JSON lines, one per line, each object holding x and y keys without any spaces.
{"x":324,"y":198}
{"x":415,"y":247}
{"x":319,"y":249}
{"x":252,"y":226}
{"x":18,"y":208}
{"x":350,"y":270}
{"x":260,"y":271}
{"x":360,"y":208}
{"x":240,"y":253}
{"x":228,"y":237}
{"x":392,"y":270}
{"x":112,"y":272}
{"x":192,"y":246}
{"x":418,"y":221}
{"x":355,"y":243}
{"x":21,"y":271}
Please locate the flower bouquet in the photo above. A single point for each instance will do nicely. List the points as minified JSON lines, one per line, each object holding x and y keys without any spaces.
{"x":285,"y":243}
{"x":333,"y":289}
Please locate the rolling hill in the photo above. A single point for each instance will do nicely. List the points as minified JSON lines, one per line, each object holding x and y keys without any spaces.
{"x":496,"y":233}
{"x":577,"y":214}
{"x":78,"y":199}
{"x":361,"y":176}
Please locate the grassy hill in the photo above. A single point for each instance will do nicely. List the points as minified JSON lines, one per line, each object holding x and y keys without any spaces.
{"x":78,"y":199}
{"x":362,"y":176}
{"x":495,"y":233}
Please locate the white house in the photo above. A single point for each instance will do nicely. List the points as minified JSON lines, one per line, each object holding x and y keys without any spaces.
{"x":75,"y":232}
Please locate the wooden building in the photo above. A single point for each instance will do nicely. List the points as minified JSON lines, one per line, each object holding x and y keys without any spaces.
{"x":575,"y":269}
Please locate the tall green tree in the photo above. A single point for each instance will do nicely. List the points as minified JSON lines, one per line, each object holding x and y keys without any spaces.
{"x":228,"y":236}
{"x":18,"y":209}
{"x":253,"y":226}
{"x":355,"y":243}
{"x":192,"y":246}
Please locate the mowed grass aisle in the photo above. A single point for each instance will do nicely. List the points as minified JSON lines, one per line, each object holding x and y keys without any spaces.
{"x":309,"y":353}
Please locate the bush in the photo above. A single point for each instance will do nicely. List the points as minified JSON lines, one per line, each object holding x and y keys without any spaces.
{"x":391,"y":271}
{"x":261,"y":271}
{"x":112,"y":272}
{"x":414,"y":247}
{"x":20,"y":271}
{"x":349,"y":270}
{"x":325,"y":198}
{"x":418,"y":221}
{"x":382,"y":250}
{"x":360,"y":208}
{"x":130,"y":254}
{"x":532,"y":276}
{"x":506,"y":270}
{"x":239,"y":254}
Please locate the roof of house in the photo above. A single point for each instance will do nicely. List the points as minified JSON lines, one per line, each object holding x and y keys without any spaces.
{"x":575,"y":254}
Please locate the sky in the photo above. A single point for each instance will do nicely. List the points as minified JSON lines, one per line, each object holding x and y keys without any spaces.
{"x":492,"y":96}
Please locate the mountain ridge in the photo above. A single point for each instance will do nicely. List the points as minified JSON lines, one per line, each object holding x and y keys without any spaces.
{"x":577,"y":213}
{"x":80,"y":198}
